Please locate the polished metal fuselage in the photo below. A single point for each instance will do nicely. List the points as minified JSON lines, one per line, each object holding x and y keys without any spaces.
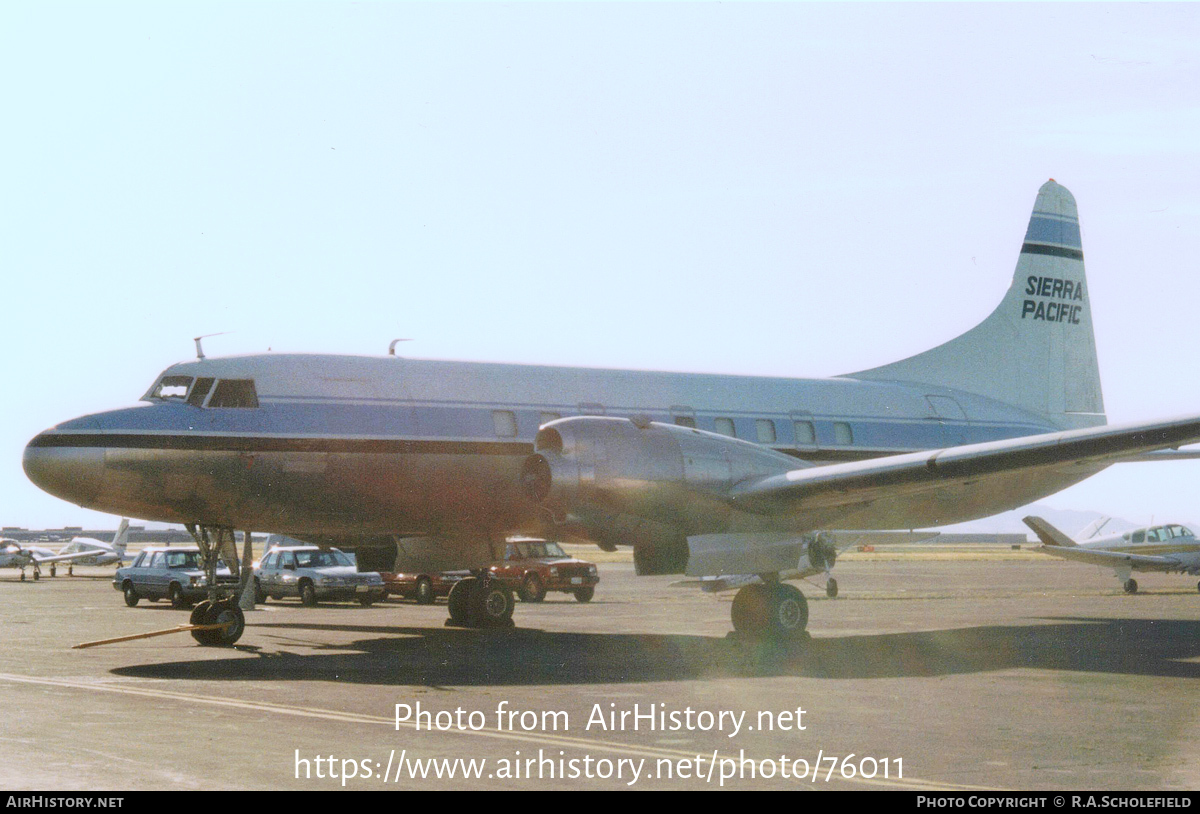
{"x":359,"y":446}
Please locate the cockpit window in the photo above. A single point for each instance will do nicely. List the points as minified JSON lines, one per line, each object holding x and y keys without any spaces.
{"x":172,"y":387}
{"x":234,"y":393}
{"x":203,"y":385}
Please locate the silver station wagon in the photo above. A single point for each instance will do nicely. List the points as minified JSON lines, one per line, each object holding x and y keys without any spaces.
{"x":315,"y":574}
{"x":167,"y":573}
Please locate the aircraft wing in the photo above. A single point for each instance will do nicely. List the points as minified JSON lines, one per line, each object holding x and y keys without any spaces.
{"x":78,"y":555}
{"x":1112,"y":559}
{"x":970,"y":467}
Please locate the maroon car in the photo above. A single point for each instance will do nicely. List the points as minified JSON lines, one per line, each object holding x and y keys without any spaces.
{"x":535,"y":567}
{"x":423,"y":587}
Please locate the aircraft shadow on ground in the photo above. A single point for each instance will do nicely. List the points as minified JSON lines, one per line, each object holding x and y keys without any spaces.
{"x":453,"y":656}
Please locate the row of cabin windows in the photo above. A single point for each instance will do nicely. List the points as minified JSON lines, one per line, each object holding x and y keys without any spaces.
{"x":505,"y":422}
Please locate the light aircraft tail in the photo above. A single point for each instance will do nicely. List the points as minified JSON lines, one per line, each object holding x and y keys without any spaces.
{"x":1047,"y":533}
{"x":1036,"y":350}
{"x":121,"y":538}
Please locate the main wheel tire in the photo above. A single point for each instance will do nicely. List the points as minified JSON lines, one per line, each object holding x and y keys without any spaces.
{"x":492,"y":603}
{"x":425,"y":595}
{"x":1130,"y":586}
{"x":459,"y":601}
{"x":789,"y":615}
{"x":532,"y":589}
{"x":175,"y":594}
{"x":775,"y":611}
{"x":131,"y":596}
{"x":750,"y":610}
{"x":584,"y":594}
{"x":308,"y":594}
{"x":831,"y":588}
{"x":53,"y":571}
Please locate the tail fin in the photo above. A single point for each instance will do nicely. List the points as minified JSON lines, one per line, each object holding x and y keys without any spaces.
{"x":121,"y":538}
{"x":1036,"y":350}
{"x":1047,"y":533}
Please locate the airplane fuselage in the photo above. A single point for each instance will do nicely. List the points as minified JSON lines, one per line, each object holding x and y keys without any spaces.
{"x":334,"y":445}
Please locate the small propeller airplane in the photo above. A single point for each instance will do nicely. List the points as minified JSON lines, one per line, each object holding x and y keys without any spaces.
{"x":1171,"y":548}
{"x":80,"y":551}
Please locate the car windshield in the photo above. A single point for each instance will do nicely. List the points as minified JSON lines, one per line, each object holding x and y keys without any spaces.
{"x":543,"y":551}
{"x":321,"y":559}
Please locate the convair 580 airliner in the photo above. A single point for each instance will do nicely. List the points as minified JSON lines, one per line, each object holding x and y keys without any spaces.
{"x":433,"y":463}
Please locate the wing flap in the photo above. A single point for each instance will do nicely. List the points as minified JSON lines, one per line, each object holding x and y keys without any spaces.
{"x":847,"y":484}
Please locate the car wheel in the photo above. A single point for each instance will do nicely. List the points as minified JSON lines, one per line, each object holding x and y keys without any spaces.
{"x":425,"y":595}
{"x":260,"y":596}
{"x":131,"y":596}
{"x":366,"y":601}
{"x":532,"y":589}
{"x":584,"y":594}
{"x":308,"y":594}
{"x":175,"y":594}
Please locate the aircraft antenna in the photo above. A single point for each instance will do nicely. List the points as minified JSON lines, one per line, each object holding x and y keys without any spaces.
{"x":392,"y":347}
{"x":199,"y":349}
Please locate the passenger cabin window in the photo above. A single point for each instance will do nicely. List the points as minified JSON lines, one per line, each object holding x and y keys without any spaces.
{"x":842,"y":434}
{"x":805,"y":433}
{"x":685,"y":421}
{"x":505,"y":423}
{"x":725,"y":427}
{"x":1139,"y":536}
{"x":159,"y":558}
{"x":234,"y":393}
{"x":766,"y":430}
{"x":203,"y":385}
{"x":172,"y":387}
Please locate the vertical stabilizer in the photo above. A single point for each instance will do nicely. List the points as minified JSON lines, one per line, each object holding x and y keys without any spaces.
{"x":121,"y":538}
{"x":1036,"y":350}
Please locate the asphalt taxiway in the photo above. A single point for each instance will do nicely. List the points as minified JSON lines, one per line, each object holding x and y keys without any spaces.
{"x":989,"y":669}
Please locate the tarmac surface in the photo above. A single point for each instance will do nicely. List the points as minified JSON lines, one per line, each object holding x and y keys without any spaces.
{"x":949,"y":671}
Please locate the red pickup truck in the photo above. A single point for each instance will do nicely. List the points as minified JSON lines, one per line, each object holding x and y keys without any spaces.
{"x":534,"y":567}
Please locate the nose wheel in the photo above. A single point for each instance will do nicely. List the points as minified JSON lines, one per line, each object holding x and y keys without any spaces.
{"x":222,"y":612}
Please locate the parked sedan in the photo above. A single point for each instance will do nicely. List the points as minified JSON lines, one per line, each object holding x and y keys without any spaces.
{"x":167,"y":573}
{"x":424,"y":587}
{"x":315,"y":574}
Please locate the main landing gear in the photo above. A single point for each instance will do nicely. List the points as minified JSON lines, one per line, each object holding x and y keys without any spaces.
{"x":480,"y":601}
{"x":770,"y":610}
{"x":1130,"y":586}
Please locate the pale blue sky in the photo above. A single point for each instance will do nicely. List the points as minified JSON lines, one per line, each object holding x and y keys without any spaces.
{"x":785,"y":189}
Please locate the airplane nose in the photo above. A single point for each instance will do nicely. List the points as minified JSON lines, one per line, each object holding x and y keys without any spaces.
{"x":68,"y":472}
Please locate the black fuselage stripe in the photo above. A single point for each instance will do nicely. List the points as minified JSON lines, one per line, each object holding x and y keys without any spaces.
{"x":1053,"y":251}
{"x":216,"y":443}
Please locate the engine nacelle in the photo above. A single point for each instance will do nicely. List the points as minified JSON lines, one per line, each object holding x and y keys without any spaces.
{"x":636,"y":482}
